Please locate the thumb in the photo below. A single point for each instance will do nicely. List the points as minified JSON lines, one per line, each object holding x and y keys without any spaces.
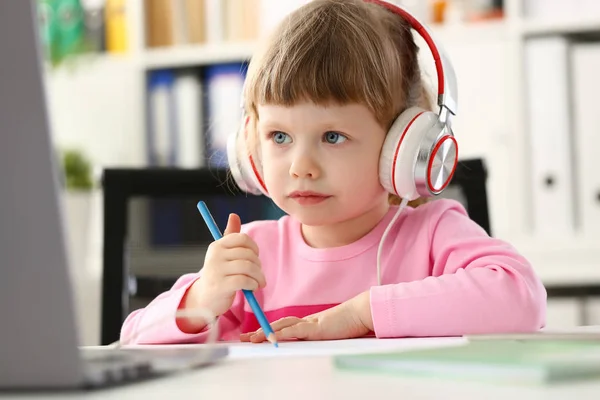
{"x":234,"y":224}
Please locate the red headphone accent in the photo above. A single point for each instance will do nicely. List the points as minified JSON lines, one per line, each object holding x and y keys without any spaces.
{"x":252,"y":163}
{"x":416,"y":25}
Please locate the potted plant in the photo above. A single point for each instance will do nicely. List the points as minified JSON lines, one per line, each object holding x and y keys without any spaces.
{"x":78,"y":171}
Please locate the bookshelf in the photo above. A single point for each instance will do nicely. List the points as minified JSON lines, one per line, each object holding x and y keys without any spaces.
{"x":492,"y":122}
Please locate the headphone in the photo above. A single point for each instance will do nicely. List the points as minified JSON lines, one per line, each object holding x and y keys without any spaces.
{"x":419,"y":155}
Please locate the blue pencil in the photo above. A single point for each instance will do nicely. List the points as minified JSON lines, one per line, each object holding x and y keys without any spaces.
{"x":260,"y":316}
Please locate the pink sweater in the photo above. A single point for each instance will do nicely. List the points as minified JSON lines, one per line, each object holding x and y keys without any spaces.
{"x":442,"y":275}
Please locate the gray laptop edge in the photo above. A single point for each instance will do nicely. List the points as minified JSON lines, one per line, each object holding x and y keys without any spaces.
{"x":38,"y":334}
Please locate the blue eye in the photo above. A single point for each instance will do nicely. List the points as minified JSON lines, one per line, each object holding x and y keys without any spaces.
{"x":334,"y":137}
{"x":280,"y":137}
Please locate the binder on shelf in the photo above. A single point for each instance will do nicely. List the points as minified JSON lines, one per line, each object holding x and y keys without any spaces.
{"x":162,"y":126}
{"x":224,"y":85}
{"x":188,"y":105}
{"x":162,"y":143}
{"x":251,"y":20}
{"x":159,"y":17}
{"x":242,"y":19}
{"x":586,"y":86}
{"x":93,"y":18}
{"x":195,"y":20}
{"x":180,"y":30}
{"x":215,"y":20}
{"x":176,"y":22}
{"x":116,"y":26}
{"x":547,"y":84}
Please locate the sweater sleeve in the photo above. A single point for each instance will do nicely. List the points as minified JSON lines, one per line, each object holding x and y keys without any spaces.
{"x":156,"y":323}
{"x":479,"y":284}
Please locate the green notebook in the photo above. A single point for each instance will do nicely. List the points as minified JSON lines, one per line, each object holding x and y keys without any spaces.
{"x":512,"y":361}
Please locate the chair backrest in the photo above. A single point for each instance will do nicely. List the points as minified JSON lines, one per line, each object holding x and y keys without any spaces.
{"x":121,"y":185}
{"x":469,"y":187}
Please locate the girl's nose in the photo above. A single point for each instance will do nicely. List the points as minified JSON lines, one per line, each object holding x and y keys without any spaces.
{"x":305,"y":166}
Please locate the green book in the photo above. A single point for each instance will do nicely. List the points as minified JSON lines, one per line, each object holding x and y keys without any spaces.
{"x":502,"y":361}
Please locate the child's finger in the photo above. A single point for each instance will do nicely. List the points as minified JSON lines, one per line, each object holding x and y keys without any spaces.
{"x":234,"y":224}
{"x":284,"y":323}
{"x":235,"y":239}
{"x":259,"y":335}
{"x":233,"y":283}
{"x":241,"y":253}
{"x":244,"y":268}
{"x":303,"y":330}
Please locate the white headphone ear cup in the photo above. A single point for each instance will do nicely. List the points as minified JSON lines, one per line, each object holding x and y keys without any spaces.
{"x":399,"y":154}
{"x":233,"y":160}
{"x":241,"y":167}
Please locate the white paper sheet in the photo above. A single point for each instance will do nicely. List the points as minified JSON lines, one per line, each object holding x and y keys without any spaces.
{"x":238,"y":350}
{"x":333,"y":347}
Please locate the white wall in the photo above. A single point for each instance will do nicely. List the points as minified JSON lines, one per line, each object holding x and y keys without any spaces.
{"x":94,"y":105}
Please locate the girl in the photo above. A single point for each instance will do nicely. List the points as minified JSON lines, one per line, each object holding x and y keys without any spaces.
{"x":320,"y":98}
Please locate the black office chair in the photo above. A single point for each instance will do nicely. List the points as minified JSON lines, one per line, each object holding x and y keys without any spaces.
{"x":122,"y":185}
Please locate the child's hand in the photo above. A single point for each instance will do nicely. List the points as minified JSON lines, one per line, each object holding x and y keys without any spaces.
{"x":231,"y":264}
{"x":347,"y":320}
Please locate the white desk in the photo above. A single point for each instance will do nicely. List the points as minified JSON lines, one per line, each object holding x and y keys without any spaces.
{"x":254,"y":373}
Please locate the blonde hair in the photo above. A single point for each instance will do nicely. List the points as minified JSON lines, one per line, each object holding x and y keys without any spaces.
{"x":340,"y":51}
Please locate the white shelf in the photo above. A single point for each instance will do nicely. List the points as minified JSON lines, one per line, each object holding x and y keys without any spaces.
{"x":541,"y":27}
{"x":500,"y":28}
{"x":214,"y":53}
{"x":471,"y":31}
{"x":196,"y":55}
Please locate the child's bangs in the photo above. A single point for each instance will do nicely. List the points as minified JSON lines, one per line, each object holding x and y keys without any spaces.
{"x":324,"y":64}
{"x":318,"y":78}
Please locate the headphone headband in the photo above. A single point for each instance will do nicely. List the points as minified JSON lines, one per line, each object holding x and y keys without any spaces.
{"x":446,"y":77}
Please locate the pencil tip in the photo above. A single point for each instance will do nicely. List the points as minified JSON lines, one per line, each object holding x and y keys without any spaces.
{"x":271,"y":338}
